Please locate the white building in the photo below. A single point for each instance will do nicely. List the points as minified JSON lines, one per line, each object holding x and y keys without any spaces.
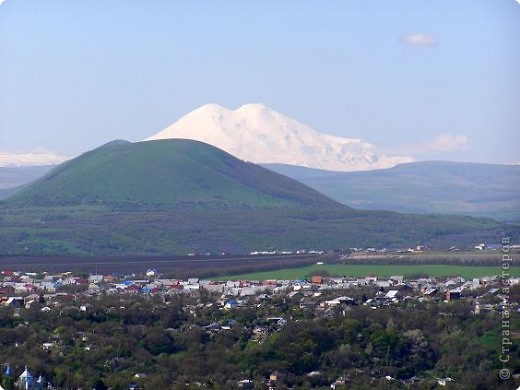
{"x":27,"y":382}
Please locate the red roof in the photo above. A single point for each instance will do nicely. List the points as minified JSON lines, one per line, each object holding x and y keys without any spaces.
{"x":318,"y":279}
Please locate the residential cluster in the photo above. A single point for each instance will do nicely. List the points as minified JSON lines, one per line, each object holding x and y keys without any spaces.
{"x":324,"y":296}
{"x":21,"y":289}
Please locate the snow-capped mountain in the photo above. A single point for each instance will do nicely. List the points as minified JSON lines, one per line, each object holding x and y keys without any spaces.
{"x":261,"y":135}
{"x":30,"y":158}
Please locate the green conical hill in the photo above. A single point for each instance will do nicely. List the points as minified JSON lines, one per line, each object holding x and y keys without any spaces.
{"x":167,"y":173}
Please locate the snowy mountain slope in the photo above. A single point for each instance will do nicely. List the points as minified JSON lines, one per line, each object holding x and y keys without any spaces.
{"x":259,"y":134}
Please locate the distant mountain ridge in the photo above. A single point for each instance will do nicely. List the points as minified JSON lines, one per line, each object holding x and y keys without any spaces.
{"x":11,"y":177}
{"x":482,"y":190}
{"x":256,"y":133}
{"x":14,"y":178}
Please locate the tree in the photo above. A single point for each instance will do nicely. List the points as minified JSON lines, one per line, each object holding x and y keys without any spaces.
{"x":8,"y":383}
{"x":97,"y":384}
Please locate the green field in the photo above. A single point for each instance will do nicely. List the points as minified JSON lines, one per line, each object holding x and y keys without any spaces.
{"x":361,"y":270}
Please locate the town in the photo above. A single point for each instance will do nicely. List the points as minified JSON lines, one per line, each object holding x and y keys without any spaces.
{"x":162,"y":314}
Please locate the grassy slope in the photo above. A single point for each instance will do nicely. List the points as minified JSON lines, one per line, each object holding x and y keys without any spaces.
{"x":424,"y":187}
{"x":164,"y":174}
{"x":179,"y":196}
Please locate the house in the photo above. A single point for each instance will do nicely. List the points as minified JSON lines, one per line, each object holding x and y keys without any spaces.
{"x":87,"y":308}
{"x":392,"y":295}
{"x":176,"y":287}
{"x":454,"y":293}
{"x":214,"y":287}
{"x":94,"y":289}
{"x":278,"y":321}
{"x":95,"y":278}
{"x":341,"y":381}
{"x":48,"y":286}
{"x":134,"y":288}
{"x":245,"y":384}
{"x":48,"y":346}
{"x":231,"y":304}
{"x":81,"y":281}
{"x":247,"y":291}
{"x":338,"y":301}
{"x":260,"y":333}
{"x":6,"y":291}
{"x":475,"y":283}
{"x":68,"y":281}
{"x":29,"y":299}
{"x":21,"y":288}
{"x":397,"y":279}
{"x":444,"y":381}
{"x":15,"y":302}
{"x":479,"y":308}
{"x":109,"y":278}
{"x":151,"y":273}
{"x":430,"y":291}
{"x":30,"y":287}
{"x":215,"y":326}
{"x":232,"y":284}
{"x":383,"y":283}
{"x":317,"y":279}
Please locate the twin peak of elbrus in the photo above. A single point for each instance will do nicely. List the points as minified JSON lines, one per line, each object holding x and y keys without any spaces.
{"x":258,"y":134}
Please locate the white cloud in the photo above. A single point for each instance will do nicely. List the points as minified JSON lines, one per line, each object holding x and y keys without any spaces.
{"x":442,"y":143}
{"x":419,"y":40}
{"x":33,"y":157}
{"x":1,"y":1}
{"x":448,"y":143}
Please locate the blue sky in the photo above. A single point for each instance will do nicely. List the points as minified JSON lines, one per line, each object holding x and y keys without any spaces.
{"x":430,"y":79}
